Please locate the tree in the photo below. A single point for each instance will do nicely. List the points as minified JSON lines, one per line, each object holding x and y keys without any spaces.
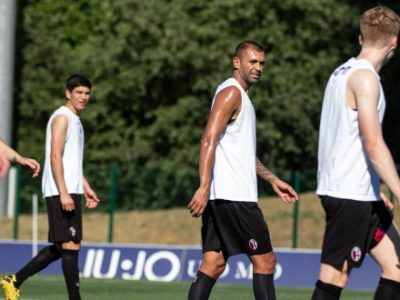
{"x":155,"y":65}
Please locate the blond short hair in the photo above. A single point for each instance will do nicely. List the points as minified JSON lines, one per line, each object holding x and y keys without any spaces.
{"x":378,"y":24}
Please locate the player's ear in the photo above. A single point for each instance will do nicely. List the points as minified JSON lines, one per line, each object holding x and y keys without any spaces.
{"x":393,"y":42}
{"x":360,"y":40}
{"x":236,"y":63}
{"x":67,"y":94}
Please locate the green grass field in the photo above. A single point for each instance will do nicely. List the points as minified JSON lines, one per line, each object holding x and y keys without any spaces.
{"x":42,"y":287}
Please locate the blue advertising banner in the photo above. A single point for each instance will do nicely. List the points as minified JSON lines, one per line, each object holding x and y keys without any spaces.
{"x":295,"y":268}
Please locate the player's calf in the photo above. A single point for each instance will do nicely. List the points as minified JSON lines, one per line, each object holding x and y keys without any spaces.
{"x":201,"y":287}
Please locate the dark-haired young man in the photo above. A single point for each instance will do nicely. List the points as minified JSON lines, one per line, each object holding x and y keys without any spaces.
{"x":62,"y":184}
{"x":227,"y":196}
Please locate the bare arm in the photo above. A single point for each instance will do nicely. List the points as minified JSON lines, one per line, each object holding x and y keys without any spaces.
{"x":91,"y":197}
{"x":226,"y":106}
{"x":364,"y":86}
{"x":59,"y":128}
{"x":4,"y":164}
{"x":11,"y":155}
{"x":9,"y":152}
{"x":281,"y":188}
{"x":264,"y":173}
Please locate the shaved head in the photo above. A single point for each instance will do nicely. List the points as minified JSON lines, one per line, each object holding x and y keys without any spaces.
{"x":243,"y":46}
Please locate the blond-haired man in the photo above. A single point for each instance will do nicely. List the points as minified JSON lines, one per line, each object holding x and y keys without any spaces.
{"x":352,"y":159}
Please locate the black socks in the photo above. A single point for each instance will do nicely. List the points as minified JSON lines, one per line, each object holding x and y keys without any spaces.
{"x":45,"y":257}
{"x":201,"y":287}
{"x":71,"y":272}
{"x":263,"y":287}
{"x":325,"y":291}
{"x":387,"y":290}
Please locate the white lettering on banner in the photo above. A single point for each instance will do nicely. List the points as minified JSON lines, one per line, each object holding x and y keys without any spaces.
{"x":167,"y":255}
{"x":88,"y":267}
{"x":112,"y":269}
{"x":95,"y":261}
{"x":193,"y":266}
{"x":243,"y":272}
{"x":278,"y":271}
{"x":144,"y":266}
{"x":138,"y":269}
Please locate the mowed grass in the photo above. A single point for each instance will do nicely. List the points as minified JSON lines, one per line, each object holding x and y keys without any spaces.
{"x":41,"y":287}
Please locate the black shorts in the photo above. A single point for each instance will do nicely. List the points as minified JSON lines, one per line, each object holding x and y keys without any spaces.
{"x":353,"y":228}
{"x":235,"y":227}
{"x":64,"y":226}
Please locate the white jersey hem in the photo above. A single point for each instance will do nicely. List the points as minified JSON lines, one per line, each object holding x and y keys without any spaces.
{"x":366,"y":198}
{"x":230,"y":199}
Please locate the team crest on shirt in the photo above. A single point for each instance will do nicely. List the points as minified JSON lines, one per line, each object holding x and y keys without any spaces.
{"x":72,"y":231}
{"x":253,"y":244}
{"x":356,"y":254}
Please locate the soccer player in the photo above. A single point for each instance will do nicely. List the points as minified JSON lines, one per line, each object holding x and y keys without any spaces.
{"x":352,"y":159}
{"x":8,"y":154}
{"x":227,"y":196}
{"x":62,"y":184}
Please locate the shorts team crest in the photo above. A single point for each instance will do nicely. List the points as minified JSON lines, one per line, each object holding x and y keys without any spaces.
{"x":356,"y":254}
{"x":253,"y":244}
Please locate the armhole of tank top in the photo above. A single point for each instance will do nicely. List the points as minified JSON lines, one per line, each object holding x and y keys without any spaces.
{"x":347,"y":107}
{"x":235,"y":121}
{"x":231,"y":121}
{"x":64,"y":113}
{"x":365,"y":67}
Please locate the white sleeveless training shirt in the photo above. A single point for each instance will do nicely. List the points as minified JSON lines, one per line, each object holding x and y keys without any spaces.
{"x":344,"y":170}
{"x":234,"y":172}
{"x":72,"y":156}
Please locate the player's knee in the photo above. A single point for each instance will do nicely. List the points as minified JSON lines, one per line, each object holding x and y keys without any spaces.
{"x":71,"y":245}
{"x":270,"y":264}
{"x":342,"y":281}
{"x":392,"y":272}
{"x":271,"y":261}
{"x":213,"y":268}
{"x":265,"y":264}
{"x":338,"y":279}
{"x":213,"y":271}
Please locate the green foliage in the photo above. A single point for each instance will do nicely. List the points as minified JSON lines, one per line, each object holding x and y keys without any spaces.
{"x":155,"y":65}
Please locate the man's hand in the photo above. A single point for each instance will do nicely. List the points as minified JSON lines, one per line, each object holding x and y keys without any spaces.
{"x":198,"y":203}
{"x":91,"y":198}
{"x":284,"y":191}
{"x":67,"y":203}
{"x":389,"y":205}
{"x":30,"y":164}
